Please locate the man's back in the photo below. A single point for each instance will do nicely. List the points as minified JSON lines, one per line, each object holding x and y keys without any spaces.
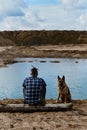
{"x":33,"y":86}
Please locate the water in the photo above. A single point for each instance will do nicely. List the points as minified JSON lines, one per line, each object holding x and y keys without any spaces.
{"x":75,"y":71}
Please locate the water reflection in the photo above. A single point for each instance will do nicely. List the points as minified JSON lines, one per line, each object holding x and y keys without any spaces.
{"x":11,"y":78}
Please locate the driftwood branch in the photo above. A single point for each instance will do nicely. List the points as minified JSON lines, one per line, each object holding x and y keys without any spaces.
{"x":27,"y":108}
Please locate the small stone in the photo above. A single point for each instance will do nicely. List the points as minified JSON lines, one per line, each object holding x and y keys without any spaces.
{"x":11,"y":126}
{"x":34,"y":128}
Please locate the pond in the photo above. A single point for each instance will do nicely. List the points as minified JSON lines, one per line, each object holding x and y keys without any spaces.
{"x":75,"y":71}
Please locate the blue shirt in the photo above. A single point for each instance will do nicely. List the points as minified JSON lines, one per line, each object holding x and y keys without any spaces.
{"x":33,"y":86}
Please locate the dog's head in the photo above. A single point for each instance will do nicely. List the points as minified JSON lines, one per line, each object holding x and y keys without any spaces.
{"x":61,"y":81}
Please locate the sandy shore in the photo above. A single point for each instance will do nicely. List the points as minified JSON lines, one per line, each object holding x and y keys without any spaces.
{"x":70,"y":120}
{"x":74,"y":119}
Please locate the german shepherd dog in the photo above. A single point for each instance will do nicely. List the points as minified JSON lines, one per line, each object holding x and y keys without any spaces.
{"x":64,"y":92}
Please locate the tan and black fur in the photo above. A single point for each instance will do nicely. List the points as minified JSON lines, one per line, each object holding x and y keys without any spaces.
{"x":63,"y":90}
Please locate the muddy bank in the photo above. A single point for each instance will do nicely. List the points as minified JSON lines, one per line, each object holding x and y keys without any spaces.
{"x":7,"y":54}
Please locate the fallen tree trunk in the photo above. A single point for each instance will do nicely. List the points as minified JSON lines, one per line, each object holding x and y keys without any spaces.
{"x":27,"y":108}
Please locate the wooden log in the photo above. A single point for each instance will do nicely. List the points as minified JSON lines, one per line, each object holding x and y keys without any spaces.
{"x":27,"y":108}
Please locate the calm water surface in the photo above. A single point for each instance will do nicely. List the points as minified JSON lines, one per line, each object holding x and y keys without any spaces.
{"x":75,"y":71}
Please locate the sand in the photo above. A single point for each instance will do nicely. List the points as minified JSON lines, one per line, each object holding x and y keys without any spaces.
{"x":75,"y":119}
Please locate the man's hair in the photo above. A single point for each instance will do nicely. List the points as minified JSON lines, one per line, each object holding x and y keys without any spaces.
{"x":34,"y":71}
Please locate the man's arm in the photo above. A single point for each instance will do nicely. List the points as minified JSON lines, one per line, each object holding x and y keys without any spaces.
{"x":24,"y":89}
{"x":43,"y":91}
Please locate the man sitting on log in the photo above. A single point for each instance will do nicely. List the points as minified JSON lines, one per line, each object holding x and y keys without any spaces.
{"x":34,"y":89}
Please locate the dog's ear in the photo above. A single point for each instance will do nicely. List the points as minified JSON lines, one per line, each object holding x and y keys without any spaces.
{"x":58,"y":77}
{"x":63,"y":78}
